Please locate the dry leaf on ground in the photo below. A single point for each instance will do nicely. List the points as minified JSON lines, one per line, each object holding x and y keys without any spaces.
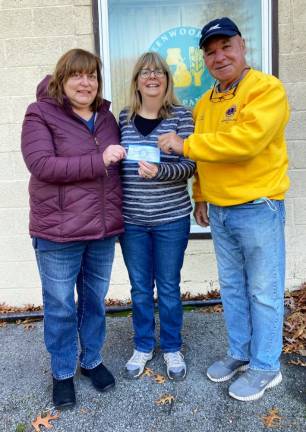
{"x":295,"y":323}
{"x":147,"y":372}
{"x":297,"y":362}
{"x":213,"y":294}
{"x":165,"y":399}
{"x":218,"y":308}
{"x":272,"y":418}
{"x":44,"y":421}
{"x":28,"y":326}
{"x":4,"y":308}
{"x":160,"y":379}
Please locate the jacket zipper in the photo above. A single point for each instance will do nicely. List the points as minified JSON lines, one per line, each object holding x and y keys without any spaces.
{"x":97,"y":145}
{"x":102,"y":184}
{"x":60,"y":197}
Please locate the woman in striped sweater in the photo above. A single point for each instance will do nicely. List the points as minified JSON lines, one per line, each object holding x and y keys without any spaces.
{"x":156,"y":208}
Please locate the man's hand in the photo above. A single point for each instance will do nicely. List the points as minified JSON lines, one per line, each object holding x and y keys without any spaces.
{"x":200,"y":213}
{"x":171,"y":143}
{"x":147,"y":170}
{"x":112,"y":154}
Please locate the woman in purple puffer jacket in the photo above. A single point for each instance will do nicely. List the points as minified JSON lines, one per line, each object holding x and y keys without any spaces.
{"x":70,"y":146}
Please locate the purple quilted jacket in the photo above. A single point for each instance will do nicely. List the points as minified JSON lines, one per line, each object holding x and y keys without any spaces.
{"x":72,"y":195}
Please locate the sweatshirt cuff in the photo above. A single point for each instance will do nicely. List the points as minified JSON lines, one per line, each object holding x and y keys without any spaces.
{"x":186,"y":148}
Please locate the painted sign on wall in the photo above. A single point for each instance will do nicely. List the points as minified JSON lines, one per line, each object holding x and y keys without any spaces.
{"x":179,"y":47}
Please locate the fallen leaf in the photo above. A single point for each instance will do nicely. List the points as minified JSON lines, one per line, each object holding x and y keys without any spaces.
{"x":297,"y":362}
{"x":165,"y":399}
{"x":28,"y":326}
{"x":295,"y":324}
{"x":272,"y":418}
{"x":84,"y":410}
{"x":147,"y":372}
{"x":4,"y":308}
{"x":44,"y":421}
{"x":159,"y":379}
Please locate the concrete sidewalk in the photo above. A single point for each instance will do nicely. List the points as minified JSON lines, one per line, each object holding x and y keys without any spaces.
{"x":199,"y":405}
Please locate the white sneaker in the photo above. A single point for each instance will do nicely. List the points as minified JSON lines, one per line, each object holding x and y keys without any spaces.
{"x":176,"y":366}
{"x":135,"y":366}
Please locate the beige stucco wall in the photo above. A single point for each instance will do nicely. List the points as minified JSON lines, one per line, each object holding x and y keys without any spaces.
{"x":33,"y":34}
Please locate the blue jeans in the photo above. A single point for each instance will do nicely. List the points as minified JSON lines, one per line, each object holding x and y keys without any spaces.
{"x":155,"y":254}
{"x":86,"y":264}
{"x":250,"y":249}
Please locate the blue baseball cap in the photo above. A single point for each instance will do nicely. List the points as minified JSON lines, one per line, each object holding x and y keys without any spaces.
{"x":220,"y":26}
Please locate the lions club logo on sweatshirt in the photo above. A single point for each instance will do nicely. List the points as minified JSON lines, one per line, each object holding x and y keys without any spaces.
{"x":230,"y":113}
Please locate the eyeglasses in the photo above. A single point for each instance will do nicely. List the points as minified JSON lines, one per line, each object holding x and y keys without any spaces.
{"x":224,"y":96}
{"x":146,"y":73}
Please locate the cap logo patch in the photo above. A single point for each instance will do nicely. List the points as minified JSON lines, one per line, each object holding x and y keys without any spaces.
{"x":215,"y":27}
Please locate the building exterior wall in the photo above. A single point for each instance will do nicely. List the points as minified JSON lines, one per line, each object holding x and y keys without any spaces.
{"x":33,"y":35}
{"x":292,"y":71}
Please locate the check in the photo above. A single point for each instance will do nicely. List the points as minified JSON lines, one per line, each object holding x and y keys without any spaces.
{"x":143,"y":153}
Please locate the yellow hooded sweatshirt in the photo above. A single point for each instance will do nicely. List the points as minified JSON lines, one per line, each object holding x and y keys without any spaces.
{"x":239,"y":144}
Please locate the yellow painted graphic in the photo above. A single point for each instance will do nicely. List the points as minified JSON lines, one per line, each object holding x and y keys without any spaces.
{"x":196,"y":65}
{"x":182,"y":77}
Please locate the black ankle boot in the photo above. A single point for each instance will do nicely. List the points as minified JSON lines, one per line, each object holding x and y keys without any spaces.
{"x":63,"y":393}
{"x":101,"y":378}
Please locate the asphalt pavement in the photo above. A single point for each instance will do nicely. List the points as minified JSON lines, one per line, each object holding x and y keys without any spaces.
{"x":198,"y":405}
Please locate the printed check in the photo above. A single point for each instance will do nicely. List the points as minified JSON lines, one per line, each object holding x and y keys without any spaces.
{"x":143,"y":153}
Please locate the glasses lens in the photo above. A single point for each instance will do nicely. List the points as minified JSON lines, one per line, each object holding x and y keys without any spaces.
{"x":146,"y":73}
{"x":159,"y":73}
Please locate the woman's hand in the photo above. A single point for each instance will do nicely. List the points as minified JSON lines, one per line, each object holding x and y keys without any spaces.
{"x":200,"y":213}
{"x":112,"y":154}
{"x":147,"y":170}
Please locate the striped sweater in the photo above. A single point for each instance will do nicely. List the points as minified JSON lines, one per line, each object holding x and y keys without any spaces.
{"x":164,"y":198}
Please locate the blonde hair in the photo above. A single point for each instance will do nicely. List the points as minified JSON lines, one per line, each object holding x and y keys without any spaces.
{"x":75,"y":61}
{"x":151,"y":60}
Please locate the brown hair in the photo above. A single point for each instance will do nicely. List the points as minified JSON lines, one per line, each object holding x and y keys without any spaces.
{"x":152,"y":60}
{"x":75,"y":61}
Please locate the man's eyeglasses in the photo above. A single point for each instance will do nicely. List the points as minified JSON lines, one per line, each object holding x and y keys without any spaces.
{"x":215,"y":97}
{"x":146,"y":73}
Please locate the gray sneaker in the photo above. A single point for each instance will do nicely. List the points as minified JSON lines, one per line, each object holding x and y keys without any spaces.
{"x":135,"y":366}
{"x":176,"y":366}
{"x":224,"y":369}
{"x":253,"y":383}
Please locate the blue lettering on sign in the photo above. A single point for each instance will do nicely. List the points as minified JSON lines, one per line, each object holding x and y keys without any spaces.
{"x":179,"y":47}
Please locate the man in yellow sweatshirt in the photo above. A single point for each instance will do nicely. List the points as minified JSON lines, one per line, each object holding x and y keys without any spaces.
{"x":242,"y":163}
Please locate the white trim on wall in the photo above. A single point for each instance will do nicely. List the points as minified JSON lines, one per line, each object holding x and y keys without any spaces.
{"x":266,"y":37}
{"x":266,"y":46}
{"x":104,"y":47}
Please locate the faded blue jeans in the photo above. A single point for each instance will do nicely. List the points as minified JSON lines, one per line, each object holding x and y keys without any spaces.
{"x":155,"y":254}
{"x":86,"y":265}
{"x":250,"y":249}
